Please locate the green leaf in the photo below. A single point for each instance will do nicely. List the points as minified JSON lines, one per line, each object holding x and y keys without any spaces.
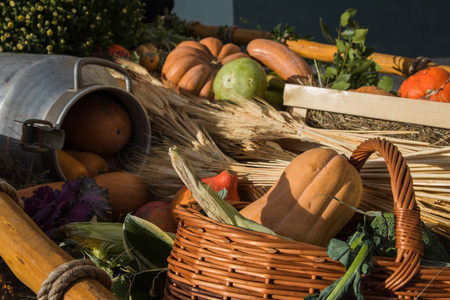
{"x":139,"y":285}
{"x":326,"y":31}
{"x":348,"y":33}
{"x":120,"y":287}
{"x":339,"y":250}
{"x":360,"y":35}
{"x":340,"y":85}
{"x":341,"y":46}
{"x":349,"y":13}
{"x":386,"y":83}
{"x":331,"y":71}
{"x":146,"y":242}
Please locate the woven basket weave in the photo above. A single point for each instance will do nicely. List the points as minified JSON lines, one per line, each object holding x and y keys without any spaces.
{"x":211,"y":260}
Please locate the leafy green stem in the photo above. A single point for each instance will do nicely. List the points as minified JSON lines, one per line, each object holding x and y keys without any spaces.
{"x":352,"y":271}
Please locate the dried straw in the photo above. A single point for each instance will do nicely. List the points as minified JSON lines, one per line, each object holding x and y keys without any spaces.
{"x":258,"y":142}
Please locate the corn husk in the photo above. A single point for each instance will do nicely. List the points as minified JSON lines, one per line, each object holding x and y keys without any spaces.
{"x":215,"y":207}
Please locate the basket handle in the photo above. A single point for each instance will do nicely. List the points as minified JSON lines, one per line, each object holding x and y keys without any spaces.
{"x":407,"y":214}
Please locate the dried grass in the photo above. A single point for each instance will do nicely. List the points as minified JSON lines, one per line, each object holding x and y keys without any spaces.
{"x":258,"y":142}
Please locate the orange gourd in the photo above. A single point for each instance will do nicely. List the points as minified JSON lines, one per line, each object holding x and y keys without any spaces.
{"x":94,"y":163}
{"x":279,"y":58}
{"x":192,"y":66}
{"x":225,"y":180}
{"x":97,"y":123}
{"x":127,"y":192}
{"x":71,"y":167}
{"x":148,"y":56}
{"x":300,"y":205}
{"x":371,"y":89}
{"x":431,"y":84}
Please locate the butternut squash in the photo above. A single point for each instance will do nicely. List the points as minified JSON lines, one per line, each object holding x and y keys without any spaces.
{"x":300,"y":205}
{"x":192,"y":66}
{"x":97,"y":123}
{"x":94,"y":163}
{"x":276,"y":56}
{"x":71,"y":167}
{"x":127,"y":192}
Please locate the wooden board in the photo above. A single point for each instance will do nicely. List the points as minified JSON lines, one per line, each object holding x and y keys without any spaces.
{"x":434,"y":114}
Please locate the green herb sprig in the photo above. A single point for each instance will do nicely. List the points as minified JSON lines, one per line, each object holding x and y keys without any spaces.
{"x":352,"y":66}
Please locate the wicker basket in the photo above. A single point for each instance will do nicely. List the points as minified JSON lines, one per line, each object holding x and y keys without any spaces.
{"x":211,"y":260}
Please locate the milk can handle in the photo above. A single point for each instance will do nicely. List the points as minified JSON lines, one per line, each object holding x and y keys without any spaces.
{"x":78,"y":79}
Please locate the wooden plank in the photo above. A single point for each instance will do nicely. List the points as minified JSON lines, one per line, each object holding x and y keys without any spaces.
{"x":434,"y":114}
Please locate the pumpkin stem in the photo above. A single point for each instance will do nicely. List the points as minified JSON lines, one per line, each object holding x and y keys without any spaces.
{"x":216,"y":64}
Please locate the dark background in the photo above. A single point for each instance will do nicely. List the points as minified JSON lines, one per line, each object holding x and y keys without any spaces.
{"x":407,"y":28}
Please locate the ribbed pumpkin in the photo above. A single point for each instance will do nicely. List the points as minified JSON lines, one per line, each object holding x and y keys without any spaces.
{"x":300,"y":205}
{"x":192,"y":66}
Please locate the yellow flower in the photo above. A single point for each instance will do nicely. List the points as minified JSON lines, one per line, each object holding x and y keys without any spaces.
{"x":12,"y":3}
{"x":124,"y":10}
{"x":49,"y":47}
{"x":40,"y":8}
{"x":20,"y":18}
{"x":62,"y":41}
{"x":74,"y":10}
{"x":92,"y":26}
{"x":2,"y":38}
{"x":7,"y":35}
{"x":49,"y":32}
{"x":10,"y":25}
{"x":20,"y":47}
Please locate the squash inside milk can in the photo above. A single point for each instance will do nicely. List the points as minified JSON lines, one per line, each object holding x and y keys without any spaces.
{"x":42,"y":93}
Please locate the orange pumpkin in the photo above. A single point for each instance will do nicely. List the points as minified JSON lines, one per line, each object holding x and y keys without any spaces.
{"x":192,"y":66}
{"x":148,"y":56}
{"x":431,"y":84}
{"x":225,"y":180}
{"x":371,"y":89}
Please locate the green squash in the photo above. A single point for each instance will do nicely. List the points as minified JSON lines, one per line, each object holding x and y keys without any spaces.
{"x":243,"y":76}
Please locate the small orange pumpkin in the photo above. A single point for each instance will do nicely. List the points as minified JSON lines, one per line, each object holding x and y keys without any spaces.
{"x":192,"y":66}
{"x":431,"y":84}
{"x":225,"y":180}
{"x":372,"y":89}
{"x":148,"y":56}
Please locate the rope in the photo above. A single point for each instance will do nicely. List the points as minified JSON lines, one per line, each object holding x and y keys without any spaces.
{"x":418,"y":64}
{"x":59,"y":279}
{"x":9,"y":190}
{"x":228,"y":33}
